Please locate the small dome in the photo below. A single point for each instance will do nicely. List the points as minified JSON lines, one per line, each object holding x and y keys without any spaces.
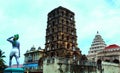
{"x":39,"y":48}
{"x":32,"y":48}
{"x":27,"y":51}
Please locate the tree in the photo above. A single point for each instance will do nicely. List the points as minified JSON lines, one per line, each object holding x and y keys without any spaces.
{"x":2,"y":65}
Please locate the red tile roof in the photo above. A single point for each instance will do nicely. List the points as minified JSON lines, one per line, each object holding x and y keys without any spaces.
{"x":113,"y":46}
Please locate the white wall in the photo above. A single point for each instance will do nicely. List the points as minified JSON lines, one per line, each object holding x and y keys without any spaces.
{"x":52,"y":67}
{"x":110,"y":67}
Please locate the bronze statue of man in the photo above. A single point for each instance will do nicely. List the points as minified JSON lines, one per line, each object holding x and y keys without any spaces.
{"x":15,"y":51}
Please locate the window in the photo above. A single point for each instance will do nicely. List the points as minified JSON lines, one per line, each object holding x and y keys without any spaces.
{"x":48,"y":49}
{"x":68,"y":46}
{"x":62,"y":36}
{"x":48,"y":61}
{"x":53,"y":23}
{"x":67,"y":29}
{"x":53,"y":60}
{"x":52,"y":47}
{"x":67,"y":14}
{"x":52,"y":37}
{"x":73,"y":48}
{"x":66,"y":22}
{"x":67,"y":37}
{"x":62,"y":13}
{"x":53,"y":30}
{"x":62,"y":21}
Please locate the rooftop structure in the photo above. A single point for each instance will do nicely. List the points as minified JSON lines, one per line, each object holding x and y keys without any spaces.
{"x":32,"y":58}
{"x":110,"y":53}
{"x":61,"y":36}
{"x":62,"y":54}
{"x":97,"y":46}
{"x":113,"y":46}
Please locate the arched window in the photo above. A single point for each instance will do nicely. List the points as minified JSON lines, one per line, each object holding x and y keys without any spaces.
{"x":116,"y":61}
{"x":62,"y":13}
{"x":99,"y":64}
{"x":68,"y":46}
{"x":67,"y":37}
{"x":52,"y":54}
{"x":107,"y":60}
{"x":53,"y":60}
{"x":62,"y":36}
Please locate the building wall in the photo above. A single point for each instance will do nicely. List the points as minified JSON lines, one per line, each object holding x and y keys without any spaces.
{"x":53,"y":66}
{"x":60,"y":33}
{"x":110,"y":68}
{"x":97,"y":46}
{"x":32,"y":57}
{"x":63,"y":65}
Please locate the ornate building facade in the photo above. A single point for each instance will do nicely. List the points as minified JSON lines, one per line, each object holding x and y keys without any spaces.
{"x":62,"y":54}
{"x":99,"y":51}
{"x":60,"y":33}
{"x":32,"y":58}
{"x":110,"y":53}
{"x":97,"y":46}
{"x":106,"y":57}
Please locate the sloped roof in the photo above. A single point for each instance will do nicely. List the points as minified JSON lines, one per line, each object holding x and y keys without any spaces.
{"x":113,"y":46}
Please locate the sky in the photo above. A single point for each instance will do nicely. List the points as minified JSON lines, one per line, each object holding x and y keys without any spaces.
{"x":28,"y":18}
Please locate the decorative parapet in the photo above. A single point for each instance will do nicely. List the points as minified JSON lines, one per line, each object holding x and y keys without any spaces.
{"x":62,"y":60}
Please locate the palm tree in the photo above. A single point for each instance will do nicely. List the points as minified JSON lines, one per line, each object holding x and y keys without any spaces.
{"x":2,"y":65}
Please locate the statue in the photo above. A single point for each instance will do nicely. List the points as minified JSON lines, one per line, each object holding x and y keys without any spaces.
{"x":15,"y":51}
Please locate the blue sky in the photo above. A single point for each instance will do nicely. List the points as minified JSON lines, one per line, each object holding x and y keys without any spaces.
{"x":28,"y":18}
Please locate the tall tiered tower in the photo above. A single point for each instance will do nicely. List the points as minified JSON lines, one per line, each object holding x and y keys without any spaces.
{"x":60,"y":33}
{"x":61,"y":52}
{"x":97,"y":46}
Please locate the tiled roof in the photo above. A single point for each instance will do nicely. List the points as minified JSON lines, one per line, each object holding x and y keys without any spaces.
{"x":113,"y":46}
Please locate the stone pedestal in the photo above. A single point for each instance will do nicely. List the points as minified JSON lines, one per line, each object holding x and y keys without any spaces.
{"x":14,"y":70}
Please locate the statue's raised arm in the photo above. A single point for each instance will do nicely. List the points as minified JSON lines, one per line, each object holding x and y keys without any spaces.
{"x":10,"y":39}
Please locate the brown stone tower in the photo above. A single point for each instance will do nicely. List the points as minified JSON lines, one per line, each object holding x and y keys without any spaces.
{"x":61,"y":39}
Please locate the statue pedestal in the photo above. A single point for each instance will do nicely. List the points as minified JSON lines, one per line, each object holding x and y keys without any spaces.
{"x":14,"y":70}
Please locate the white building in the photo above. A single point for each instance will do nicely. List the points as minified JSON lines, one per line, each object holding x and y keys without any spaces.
{"x":107,"y":57}
{"x":97,"y":46}
{"x":110,"y":53}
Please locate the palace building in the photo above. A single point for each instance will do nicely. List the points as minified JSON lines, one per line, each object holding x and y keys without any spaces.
{"x":62,"y":54}
{"x":32,"y":58}
{"x":97,"y":46}
{"x":110,"y":53}
{"x":99,"y":51}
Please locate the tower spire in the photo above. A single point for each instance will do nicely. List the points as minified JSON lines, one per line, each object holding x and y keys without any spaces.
{"x":97,"y":32}
{"x":97,"y":46}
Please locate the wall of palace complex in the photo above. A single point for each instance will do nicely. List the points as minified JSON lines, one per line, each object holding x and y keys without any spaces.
{"x":110,"y":68}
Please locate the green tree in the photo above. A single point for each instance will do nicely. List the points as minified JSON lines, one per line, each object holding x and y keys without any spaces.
{"x":2,"y":65}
